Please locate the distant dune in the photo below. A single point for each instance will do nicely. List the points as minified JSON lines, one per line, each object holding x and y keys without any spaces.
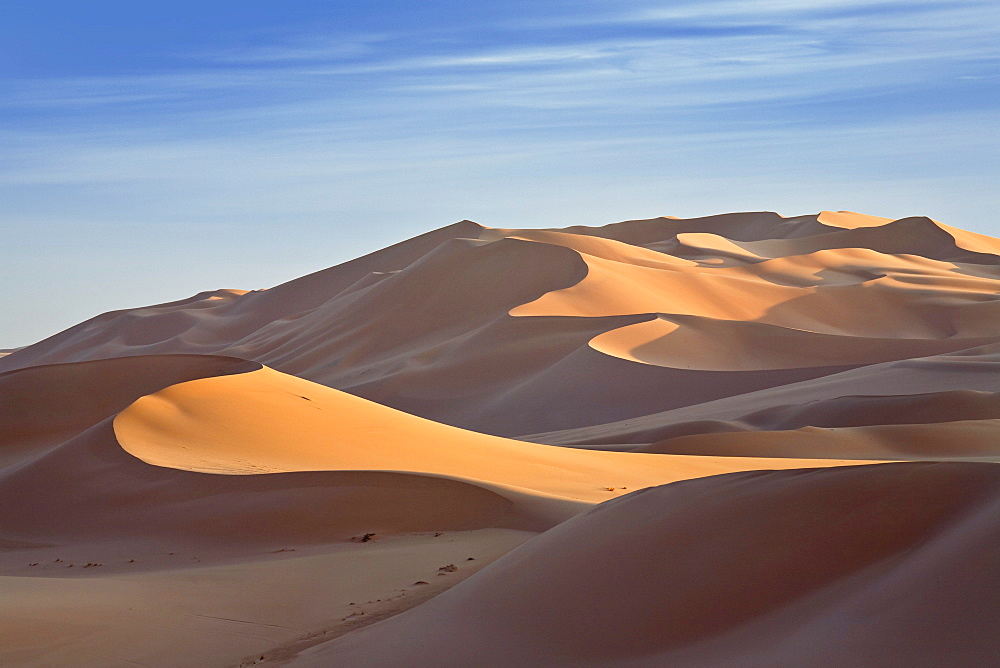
{"x":742,"y":439}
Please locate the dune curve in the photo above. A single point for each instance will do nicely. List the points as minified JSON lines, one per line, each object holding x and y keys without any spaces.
{"x":742,"y":568}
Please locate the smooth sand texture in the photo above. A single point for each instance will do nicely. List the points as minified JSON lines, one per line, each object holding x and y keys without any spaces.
{"x":487,"y":328}
{"x":268,"y":422}
{"x":874,"y":565}
{"x":971,"y":373}
{"x":302,"y":475}
{"x":45,"y":405}
{"x":221,"y":615}
{"x":966,"y":439}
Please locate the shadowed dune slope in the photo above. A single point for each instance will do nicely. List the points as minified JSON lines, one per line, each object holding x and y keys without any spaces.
{"x":966,"y":439}
{"x":941,"y":388}
{"x":266,"y":421}
{"x":252,"y":478}
{"x":337,"y":465}
{"x":865,"y":410}
{"x":46,"y":405}
{"x":65,"y":480}
{"x":679,"y":342}
{"x":90,"y":492}
{"x":764,"y":568}
{"x":340,"y":464}
{"x":936,"y":425}
{"x":466,"y":323}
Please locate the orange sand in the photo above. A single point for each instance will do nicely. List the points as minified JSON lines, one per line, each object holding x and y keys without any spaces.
{"x":657,"y":442}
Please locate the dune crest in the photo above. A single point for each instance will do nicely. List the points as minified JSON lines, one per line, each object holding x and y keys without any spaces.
{"x":403,"y":326}
{"x":740,"y":439}
{"x":268,"y":422}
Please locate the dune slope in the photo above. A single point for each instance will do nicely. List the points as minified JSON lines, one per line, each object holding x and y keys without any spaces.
{"x":44,"y":405}
{"x":266,"y":422}
{"x":475,"y":326}
{"x":365,"y":465}
{"x":768,"y":568}
{"x":954,"y":385}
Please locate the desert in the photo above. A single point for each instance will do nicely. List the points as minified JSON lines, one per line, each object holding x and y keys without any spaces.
{"x":742,"y":439}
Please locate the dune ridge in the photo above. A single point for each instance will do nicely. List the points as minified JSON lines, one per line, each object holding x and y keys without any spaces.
{"x":45,"y":405}
{"x":973,"y":370}
{"x":729,"y":440}
{"x":631,"y":291}
{"x":267,"y":422}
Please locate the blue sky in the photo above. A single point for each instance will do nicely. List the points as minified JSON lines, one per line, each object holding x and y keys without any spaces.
{"x":154,"y":150}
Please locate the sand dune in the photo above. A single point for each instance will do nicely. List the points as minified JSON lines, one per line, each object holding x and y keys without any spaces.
{"x":44,"y":405}
{"x":676,"y":341}
{"x":266,"y":422}
{"x":776,"y":568}
{"x":974,"y":370}
{"x":940,"y":425}
{"x":965,"y":439}
{"x":340,"y":470}
{"x":534,"y":302}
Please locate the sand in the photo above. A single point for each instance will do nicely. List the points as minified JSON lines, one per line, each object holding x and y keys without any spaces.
{"x":874,"y":565}
{"x":742,"y":439}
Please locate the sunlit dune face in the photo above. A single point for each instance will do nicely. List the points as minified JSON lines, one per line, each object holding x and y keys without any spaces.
{"x":268,"y":422}
{"x":743,"y":439}
{"x":850,"y":220}
{"x":791,"y":308}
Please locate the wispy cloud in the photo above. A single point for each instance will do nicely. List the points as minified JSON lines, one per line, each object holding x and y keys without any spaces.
{"x":511,"y":100}
{"x":826,"y":45}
